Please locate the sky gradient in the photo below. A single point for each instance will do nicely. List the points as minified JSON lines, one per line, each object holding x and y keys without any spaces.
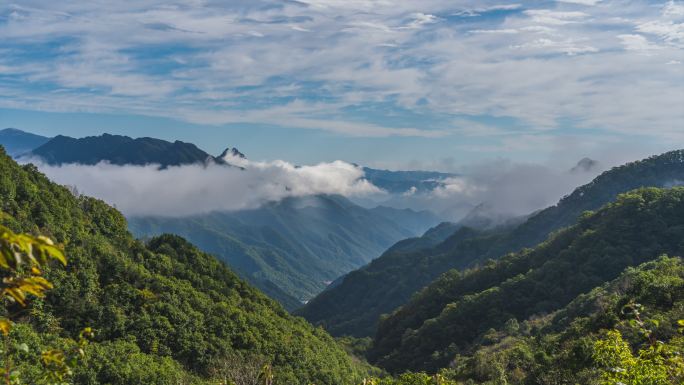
{"x":398,"y":84}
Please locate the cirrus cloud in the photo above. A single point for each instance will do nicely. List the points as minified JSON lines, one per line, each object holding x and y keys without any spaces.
{"x":348,"y":67}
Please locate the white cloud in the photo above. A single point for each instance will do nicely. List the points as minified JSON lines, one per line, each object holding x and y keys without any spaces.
{"x":472,"y":12}
{"x":147,"y":190}
{"x":311,"y":64}
{"x":637,"y":43}
{"x":410,"y":192}
{"x":667,"y":30}
{"x":420,"y":19}
{"x":582,"y":2}
{"x":568,"y":47}
{"x":495,"y":31}
{"x":507,"y":188}
{"x":547,"y":16}
{"x":673,"y":9}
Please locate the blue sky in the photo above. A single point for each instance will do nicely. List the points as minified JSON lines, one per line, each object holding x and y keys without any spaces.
{"x":398,"y":84}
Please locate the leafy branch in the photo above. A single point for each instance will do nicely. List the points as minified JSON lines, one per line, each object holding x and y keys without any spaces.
{"x":22,"y":259}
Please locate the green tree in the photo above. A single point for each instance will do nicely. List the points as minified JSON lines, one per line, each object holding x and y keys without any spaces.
{"x":655,"y":363}
{"x":22,"y":259}
{"x":410,"y":379}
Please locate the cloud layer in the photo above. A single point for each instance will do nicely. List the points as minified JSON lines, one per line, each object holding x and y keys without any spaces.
{"x":349,"y":66}
{"x":196,"y":189}
{"x":507,"y":189}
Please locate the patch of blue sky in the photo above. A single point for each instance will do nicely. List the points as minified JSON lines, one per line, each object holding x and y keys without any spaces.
{"x":27,"y":51}
{"x":278,"y":20}
{"x":484,"y":14}
{"x":163,"y":59}
{"x":390,"y":113}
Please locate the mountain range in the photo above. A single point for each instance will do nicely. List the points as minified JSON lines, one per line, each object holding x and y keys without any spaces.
{"x":289,"y":249}
{"x":354,"y":305}
{"x":582,"y":292}
{"x":293,"y":248}
{"x":120,"y":150}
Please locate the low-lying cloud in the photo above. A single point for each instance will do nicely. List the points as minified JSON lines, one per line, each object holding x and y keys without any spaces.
{"x":196,"y":189}
{"x":507,"y":188}
{"x":515,"y":188}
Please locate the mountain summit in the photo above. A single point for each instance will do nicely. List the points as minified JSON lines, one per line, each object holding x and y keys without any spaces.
{"x":232,"y":152}
{"x":233,"y":157}
{"x":584,"y":165}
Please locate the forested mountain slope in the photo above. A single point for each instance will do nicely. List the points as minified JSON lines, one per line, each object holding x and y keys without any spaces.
{"x":163,"y":312}
{"x":454,"y":312}
{"x":354,"y":306}
{"x":293,"y":248}
{"x":562,"y":347}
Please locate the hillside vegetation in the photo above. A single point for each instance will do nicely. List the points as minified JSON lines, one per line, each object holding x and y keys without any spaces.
{"x":163,"y":312}
{"x":458,"y":310}
{"x":293,"y":248}
{"x":627,"y":331}
{"x":354,"y":306}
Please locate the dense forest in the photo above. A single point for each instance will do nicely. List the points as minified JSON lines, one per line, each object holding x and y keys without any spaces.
{"x":163,"y":311}
{"x":565,"y":346}
{"x":355,"y":304}
{"x":455,"y":311}
{"x":626,"y":331}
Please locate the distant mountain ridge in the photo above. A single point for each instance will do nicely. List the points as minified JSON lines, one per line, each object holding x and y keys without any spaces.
{"x":18,"y":142}
{"x":355,"y":304}
{"x":120,"y":150}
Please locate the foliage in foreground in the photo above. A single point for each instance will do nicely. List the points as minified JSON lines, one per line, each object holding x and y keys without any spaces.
{"x":570,"y":346}
{"x":22,"y":258}
{"x":655,"y":363}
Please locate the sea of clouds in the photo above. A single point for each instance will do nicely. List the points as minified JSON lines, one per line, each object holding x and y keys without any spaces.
{"x":507,"y":188}
{"x":195,"y":189}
